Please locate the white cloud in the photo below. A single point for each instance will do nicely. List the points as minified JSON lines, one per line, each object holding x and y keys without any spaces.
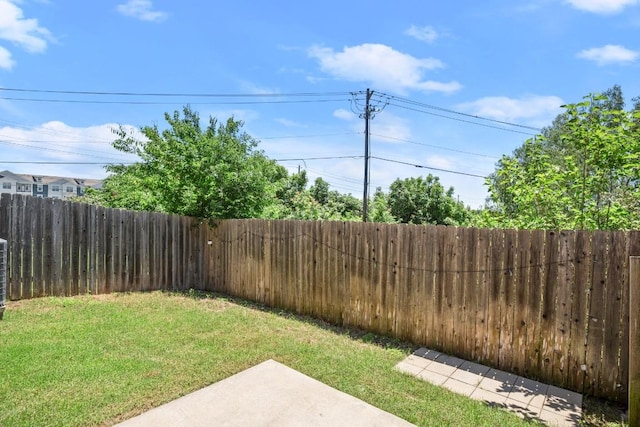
{"x":290,"y":123}
{"x":439,"y":162}
{"x":56,"y":141}
{"x":142,"y":10}
{"x":343,"y":114}
{"x":6,"y":61}
{"x":601,"y":6}
{"x":609,"y":54}
{"x":389,"y":128}
{"x":426,"y":34}
{"x":25,"y":33}
{"x":384,"y":67}
{"x":536,"y":110}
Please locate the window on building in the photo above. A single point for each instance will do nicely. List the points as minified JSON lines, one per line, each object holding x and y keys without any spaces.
{"x":40,"y":188}
{"x":55,"y":188}
{"x":69,"y":189}
{"x":6,"y":185}
{"x":23,"y":188}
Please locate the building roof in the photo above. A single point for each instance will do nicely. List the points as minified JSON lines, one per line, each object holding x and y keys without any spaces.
{"x":14,"y":177}
{"x":60,"y":180}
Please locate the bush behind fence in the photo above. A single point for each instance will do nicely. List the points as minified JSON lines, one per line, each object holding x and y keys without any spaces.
{"x":548,"y":305}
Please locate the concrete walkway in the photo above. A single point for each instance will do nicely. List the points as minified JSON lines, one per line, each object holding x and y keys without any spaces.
{"x":268,"y":394}
{"x":527,"y":398}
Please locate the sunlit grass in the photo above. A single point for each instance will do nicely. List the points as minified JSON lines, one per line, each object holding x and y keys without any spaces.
{"x":97,"y":360}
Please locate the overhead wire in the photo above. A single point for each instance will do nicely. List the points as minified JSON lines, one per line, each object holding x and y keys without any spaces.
{"x":174,"y":94}
{"x":79,"y":101}
{"x":432,"y":146}
{"x":461,"y":120}
{"x":388,"y":97}
{"x":427,"y":167}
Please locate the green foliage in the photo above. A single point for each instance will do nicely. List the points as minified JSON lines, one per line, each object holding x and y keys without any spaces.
{"x":315,"y":203}
{"x":215,"y":172}
{"x":581,"y":173}
{"x":379,"y":210}
{"x":320,"y":191}
{"x":425,"y":201}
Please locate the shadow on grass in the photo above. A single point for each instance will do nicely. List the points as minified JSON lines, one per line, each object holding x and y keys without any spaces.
{"x":353,"y":333}
{"x":599,"y":413}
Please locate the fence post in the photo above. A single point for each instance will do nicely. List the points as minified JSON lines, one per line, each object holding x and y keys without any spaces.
{"x":634,"y":341}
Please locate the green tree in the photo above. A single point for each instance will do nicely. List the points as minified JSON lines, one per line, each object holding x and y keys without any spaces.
{"x":379,"y":208}
{"x":212,"y":173}
{"x":425,"y":201}
{"x":582,"y":173}
{"x":320,"y":191}
{"x":553,"y":143}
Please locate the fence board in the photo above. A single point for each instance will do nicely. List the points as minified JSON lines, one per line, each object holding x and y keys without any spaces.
{"x":595,"y":331}
{"x":48,"y":248}
{"x":408,"y":287}
{"x":465,"y":317}
{"x":582,"y":275}
{"x":504,"y":267}
{"x":563,"y":308}
{"x":57,"y":261}
{"x":493,"y":244}
{"x":38,"y":229}
{"x":27,"y":247}
{"x":533,"y":301}
{"x":616,"y":272}
{"x":389,"y":265}
{"x":548,"y":306}
{"x":483,"y":304}
{"x":14,"y":278}
{"x":424,"y":266}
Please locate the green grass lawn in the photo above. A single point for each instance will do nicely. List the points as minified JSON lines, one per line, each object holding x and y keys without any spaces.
{"x":97,"y":360}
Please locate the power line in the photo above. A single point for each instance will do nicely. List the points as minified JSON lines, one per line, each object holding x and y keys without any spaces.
{"x":11,"y":162}
{"x":318,"y":135}
{"x":319,"y":158}
{"x":434,"y":146}
{"x":132,"y":162}
{"x":59,"y":151}
{"x":433,"y":107}
{"x":428,"y":167}
{"x":105,"y":141}
{"x":77,"y":101}
{"x":173,"y":94}
{"x":461,"y":120}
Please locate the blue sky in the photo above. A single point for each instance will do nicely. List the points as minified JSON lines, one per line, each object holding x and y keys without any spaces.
{"x":426,"y":61}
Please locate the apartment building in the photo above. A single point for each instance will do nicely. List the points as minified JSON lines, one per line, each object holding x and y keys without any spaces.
{"x":45,"y":186}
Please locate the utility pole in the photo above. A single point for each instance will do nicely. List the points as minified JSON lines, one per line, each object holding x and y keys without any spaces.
{"x":368,"y":112}
{"x":366,"y":115}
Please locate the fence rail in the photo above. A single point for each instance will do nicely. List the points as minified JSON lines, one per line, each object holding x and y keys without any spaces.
{"x":548,"y":305}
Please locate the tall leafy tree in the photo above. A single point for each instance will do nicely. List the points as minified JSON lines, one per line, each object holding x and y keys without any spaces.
{"x":425,"y":201}
{"x":580,"y":173}
{"x":213,"y":172}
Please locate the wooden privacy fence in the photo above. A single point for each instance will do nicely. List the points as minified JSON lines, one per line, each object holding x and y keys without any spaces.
{"x":61,"y":248}
{"x":547,"y":305}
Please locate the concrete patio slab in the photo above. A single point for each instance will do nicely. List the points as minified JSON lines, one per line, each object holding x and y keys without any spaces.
{"x":268,"y":394}
{"x":527,"y":398}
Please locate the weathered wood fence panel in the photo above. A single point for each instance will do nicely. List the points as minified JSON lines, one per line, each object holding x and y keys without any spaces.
{"x":549,"y":305}
{"x":59,"y":248}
